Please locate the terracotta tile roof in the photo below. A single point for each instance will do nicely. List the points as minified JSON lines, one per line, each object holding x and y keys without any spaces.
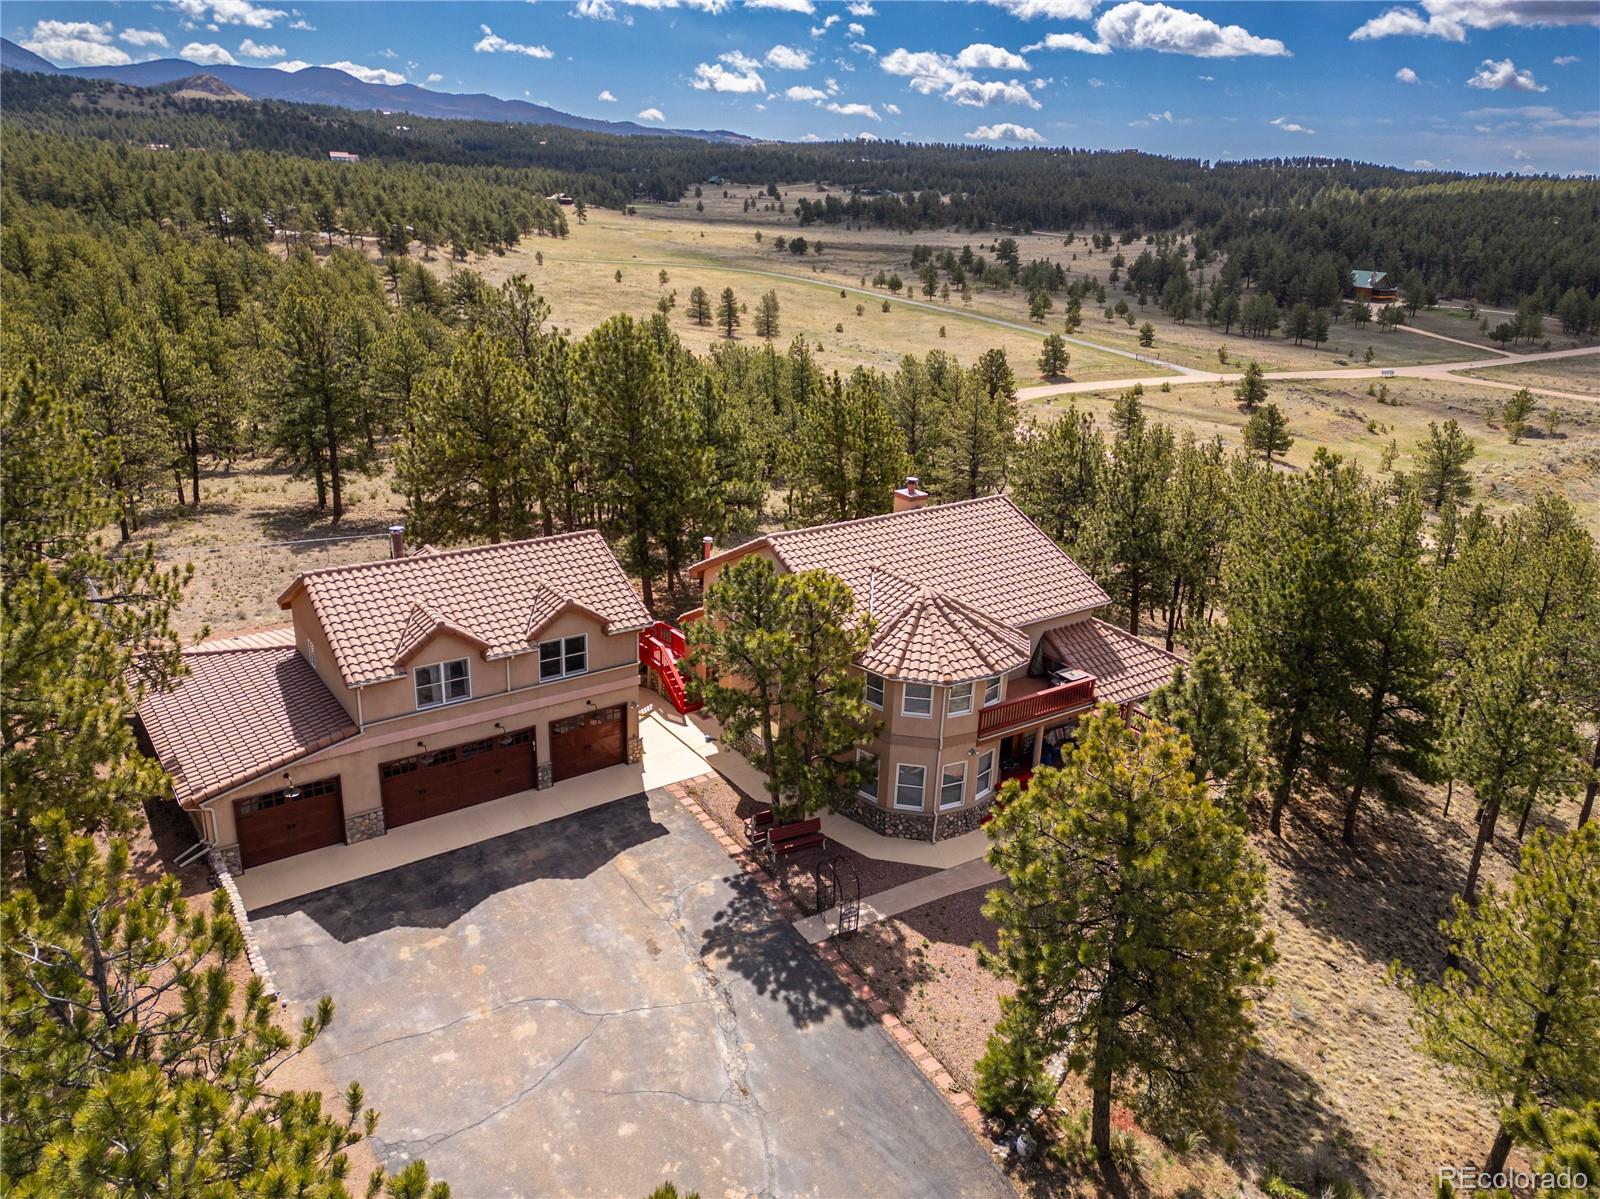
{"x":935,"y":638}
{"x":421,"y":624}
{"x":1124,"y":667}
{"x":241,"y":712}
{"x":983,"y":551}
{"x":488,"y":591}
{"x":263,"y":638}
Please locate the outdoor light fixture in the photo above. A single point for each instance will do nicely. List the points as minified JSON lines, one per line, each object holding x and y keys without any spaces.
{"x":290,"y":791}
{"x":505,"y":737}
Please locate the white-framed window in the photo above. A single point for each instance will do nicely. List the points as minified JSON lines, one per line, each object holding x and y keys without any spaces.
{"x":985,"y":774}
{"x":868,"y":788}
{"x":563,"y":657}
{"x":960,"y":699}
{"x":910,"y":787}
{"x":991,"y":691}
{"x":443,"y":683}
{"x":875,"y":689}
{"x":953,"y":785}
{"x":916,"y":699}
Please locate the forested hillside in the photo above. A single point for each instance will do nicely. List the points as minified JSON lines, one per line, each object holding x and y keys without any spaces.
{"x":1496,"y":239}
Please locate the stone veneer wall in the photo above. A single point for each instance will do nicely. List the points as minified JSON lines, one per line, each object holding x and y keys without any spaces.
{"x":226,"y":859}
{"x":545,"y":777}
{"x":635,"y":750}
{"x":363,"y":826}
{"x":252,"y":951}
{"x":915,"y":826}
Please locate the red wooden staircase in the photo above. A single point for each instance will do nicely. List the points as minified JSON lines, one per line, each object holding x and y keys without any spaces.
{"x":661,"y":647}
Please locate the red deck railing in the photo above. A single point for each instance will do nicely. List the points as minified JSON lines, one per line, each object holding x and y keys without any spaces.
{"x":661,"y":647}
{"x":1061,"y":698}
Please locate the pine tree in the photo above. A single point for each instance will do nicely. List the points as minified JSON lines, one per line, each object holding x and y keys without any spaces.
{"x":82,"y":634}
{"x":1395,"y":664}
{"x":767,"y":316}
{"x":1053,"y":357}
{"x":1290,"y":584}
{"x":136,"y":1066}
{"x":1196,"y":529}
{"x":1134,"y":947}
{"x":775,"y":658}
{"x":1060,"y":469}
{"x":917,"y":401}
{"x":699,"y":310}
{"x":1267,"y":432}
{"x":980,"y":430}
{"x":728,"y":312}
{"x":1251,"y":391}
{"x":1126,"y":533}
{"x":469,"y":467}
{"x":1518,"y":1019}
{"x":1442,"y":465}
{"x":1226,"y":731}
{"x":846,"y":457}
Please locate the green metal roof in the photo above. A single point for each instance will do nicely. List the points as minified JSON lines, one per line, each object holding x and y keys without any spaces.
{"x":1369,"y":278}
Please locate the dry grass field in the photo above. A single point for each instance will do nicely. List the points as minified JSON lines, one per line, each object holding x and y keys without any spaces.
{"x":1561,"y":374}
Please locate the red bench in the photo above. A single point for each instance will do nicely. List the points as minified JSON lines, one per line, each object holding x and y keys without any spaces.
{"x":756,"y":826}
{"x":784,"y":839}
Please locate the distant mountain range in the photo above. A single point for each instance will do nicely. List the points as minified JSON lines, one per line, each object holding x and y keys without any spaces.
{"x":326,"y":85}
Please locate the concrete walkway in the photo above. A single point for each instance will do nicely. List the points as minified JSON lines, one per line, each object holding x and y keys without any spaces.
{"x":976,"y":873}
{"x":666,"y":760}
{"x":698,"y":734}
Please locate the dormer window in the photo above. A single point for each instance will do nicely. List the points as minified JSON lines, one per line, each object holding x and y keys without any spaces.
{"x":563,"y":657}
{"x":443,"y":683}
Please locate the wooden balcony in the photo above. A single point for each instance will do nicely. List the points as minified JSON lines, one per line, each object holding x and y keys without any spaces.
{"x":1042,"y":704}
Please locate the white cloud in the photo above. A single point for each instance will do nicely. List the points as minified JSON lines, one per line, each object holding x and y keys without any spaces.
{"x":292,"y":65}
{"x":804,"y":7}
{"x":832,"y":85}
{"x":368,"y":74}
{"x":1054,"y":10}
{"x":650,"y":114}
{"x":230,"y":12}
{"x":1165,"y":115}
{"x":892,"y":109}
{"x":207,"y":54}
{"x":1450,"y":19}
{"x":1289,"y":126}
{"x":828,"y":23}
{"x":144,"y":37}
{"x":800,"y":92}
{"x":1407,"y":75}
{"x":1004,"y":132}
{"x":928,"y":70}
{"x":864,"y":136}
{"x":1503,"y":76}
{"x":1097,"y":83}
{"x":787,"y":58}
{"x":714,"y":77}
{"x":81,"y":43}
{"x":302,"y":23}
{"x":1068,"y":41}
{"x":861,"y":48}
{"x":389,"y":54}
{"x":862,"y":8}
{"x":1542,"y":116}
{"x":1423,"y":164}
{"x":981,"y":56}
{"x":740,"y":61}
{"x":852,"y":110}
{"x":605,"y":97}
{"x":251,"y":48}
{"x":975,"y":93}
{"x":435,"y":77}
{"x":1565,"y":60}
{"x":1139,"y":26}
{"x":492,"y":43}
{"x":809,"y":137}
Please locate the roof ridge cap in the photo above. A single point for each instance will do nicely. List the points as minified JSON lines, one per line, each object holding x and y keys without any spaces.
{"x":306,"y":576}
{"x":878,"y":516}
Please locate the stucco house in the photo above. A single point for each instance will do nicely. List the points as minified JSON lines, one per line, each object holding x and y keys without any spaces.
{"x":404,"y":688}
{"x":985,"y":653}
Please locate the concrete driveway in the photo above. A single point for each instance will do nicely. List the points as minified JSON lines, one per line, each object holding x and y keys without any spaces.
{"x":598,"y":1003}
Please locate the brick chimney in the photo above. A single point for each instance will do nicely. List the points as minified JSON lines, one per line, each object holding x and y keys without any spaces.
{"x":397,"y":541}
{"x":910,"y":496}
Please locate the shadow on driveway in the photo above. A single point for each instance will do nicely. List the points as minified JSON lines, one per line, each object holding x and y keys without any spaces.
{"x":438,"y":891}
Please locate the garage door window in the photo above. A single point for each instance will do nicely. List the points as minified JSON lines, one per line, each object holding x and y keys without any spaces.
{"x":563,"y":657}
{"x":260,"y":803}
{"x":443,"y":683}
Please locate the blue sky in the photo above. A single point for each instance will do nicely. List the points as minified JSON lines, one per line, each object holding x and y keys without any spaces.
{"x":1477,"y":85}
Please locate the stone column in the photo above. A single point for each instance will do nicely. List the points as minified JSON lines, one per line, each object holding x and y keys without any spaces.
{"x":363,"y":826}
{"x":227,"y":858}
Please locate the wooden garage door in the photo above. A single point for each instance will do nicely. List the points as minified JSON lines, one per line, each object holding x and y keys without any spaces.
{"x":288,"y":822}
{"x":456,"y":777}
{"x":587,"y":742}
